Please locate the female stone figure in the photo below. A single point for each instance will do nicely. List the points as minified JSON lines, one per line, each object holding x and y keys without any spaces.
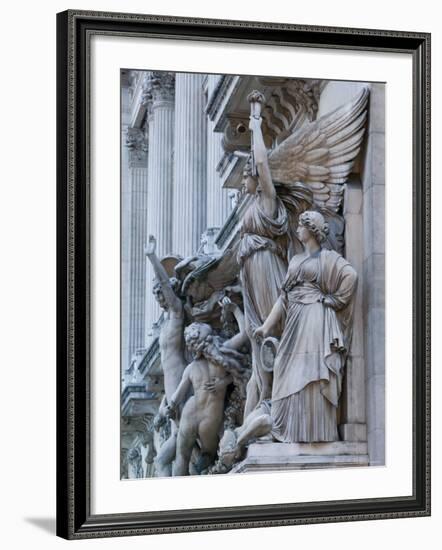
{"x":317,"y":302}
{"x":262,"y":253}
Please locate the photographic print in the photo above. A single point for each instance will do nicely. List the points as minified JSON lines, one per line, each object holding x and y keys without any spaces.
{"x":252,"y":274}
{"x":243,"y":273}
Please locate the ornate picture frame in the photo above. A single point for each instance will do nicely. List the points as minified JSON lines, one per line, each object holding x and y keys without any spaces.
{"x":75,"y":217}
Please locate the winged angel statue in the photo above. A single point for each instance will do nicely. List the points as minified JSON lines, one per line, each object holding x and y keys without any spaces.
{"x":307,"y":170}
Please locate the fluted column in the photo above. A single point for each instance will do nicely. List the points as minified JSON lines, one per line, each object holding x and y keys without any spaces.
{"x":218,"y":201}
{"x":125,"y":232}
{"x":190,"y":150}
{"x":137,"y":142}
{"x":159,"y":95}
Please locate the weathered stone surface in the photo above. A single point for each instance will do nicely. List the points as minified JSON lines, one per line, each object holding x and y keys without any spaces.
{"x":373,"y":171}
{"x":353,"y":432}
{"x":353,"y":405}
{"x":375,"y":341}
{"x":353,"y":412}
{"x":374,"y":220}
{"x":335,"y":93}
{"x":376,"y":120}
{"x":269,"y":457}
{"x":376,"y":402}
{"x":376,"y":445}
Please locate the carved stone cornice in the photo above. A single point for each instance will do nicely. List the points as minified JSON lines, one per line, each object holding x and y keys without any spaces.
{"x":218,"y":96}
{"x":151,"y":361}
{"x":290,"y":104}
{"x":133,"y":79}
{"x":135,"y":91}
{"x":237,"y":136}
{"x":137,"y":143}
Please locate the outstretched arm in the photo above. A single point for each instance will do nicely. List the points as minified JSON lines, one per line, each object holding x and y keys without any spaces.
{"x":228,"y":305}
{"x":172,"y":299}
{"x":261,"y":159}
{"x":260,"y":153}
{"x":180,"y":393}
{"x":272,"y":320}
{"x":241,"y":338}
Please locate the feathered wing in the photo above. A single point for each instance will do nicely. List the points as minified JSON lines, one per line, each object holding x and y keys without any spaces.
{"x":297,"y":197}
{"x":322,"y":153}
{"x":211,"y":274}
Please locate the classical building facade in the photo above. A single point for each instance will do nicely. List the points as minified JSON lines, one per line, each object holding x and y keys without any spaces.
{"x":185,"y":139}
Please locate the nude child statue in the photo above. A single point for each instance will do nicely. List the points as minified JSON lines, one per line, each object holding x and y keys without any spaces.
{"x":202,"y":415}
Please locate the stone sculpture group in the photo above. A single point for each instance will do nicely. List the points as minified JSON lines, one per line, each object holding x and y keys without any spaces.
{"x":254,"y":339}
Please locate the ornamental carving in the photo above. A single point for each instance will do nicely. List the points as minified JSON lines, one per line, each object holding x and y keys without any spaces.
{"x":158,"y":86}
{"x":137,"y":143}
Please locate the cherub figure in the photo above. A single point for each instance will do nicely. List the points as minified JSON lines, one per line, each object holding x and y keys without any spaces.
{"x":215,"y":367}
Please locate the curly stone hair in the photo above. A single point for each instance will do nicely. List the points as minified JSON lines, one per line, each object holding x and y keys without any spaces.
{"x":315,"y":223}
{"x":174,"y":283}
{"x":200,"y":338}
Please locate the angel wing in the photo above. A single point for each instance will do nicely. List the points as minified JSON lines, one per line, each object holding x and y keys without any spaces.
{"x":322,"y":153}
{"x":297,"y":197}
{"x":208,"y":274}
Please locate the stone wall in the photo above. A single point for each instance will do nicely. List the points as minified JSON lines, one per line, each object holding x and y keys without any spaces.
{"x":373,"y":183}
{"x":364,"y":392}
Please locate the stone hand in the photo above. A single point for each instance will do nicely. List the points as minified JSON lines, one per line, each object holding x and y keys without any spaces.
{"x":227,"y":305}
{"x":255,"y":123}
{"x":328,"y":301}
{"x":256,"y":99}
{"x":159,"y":420}
{"x":232,"y":289}
{"x":150,"y":248}
{"x":260,"y":333}
{"x":214,"y":384}
{"x":171,"y":411}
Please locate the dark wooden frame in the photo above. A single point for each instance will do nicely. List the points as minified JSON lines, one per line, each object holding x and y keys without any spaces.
{"x":74,"y":520}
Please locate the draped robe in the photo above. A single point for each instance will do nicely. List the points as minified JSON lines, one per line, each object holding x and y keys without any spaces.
{"x":262,"y":257}
{"x":309,"y":364}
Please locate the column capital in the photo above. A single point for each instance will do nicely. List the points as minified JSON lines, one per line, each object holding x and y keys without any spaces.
{"x":158,"y":87}
{"x":137,"y":143}
{"x":134,"y":458}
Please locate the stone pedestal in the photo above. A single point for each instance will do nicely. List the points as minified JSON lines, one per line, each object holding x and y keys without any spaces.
{"x":265,"y":456}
